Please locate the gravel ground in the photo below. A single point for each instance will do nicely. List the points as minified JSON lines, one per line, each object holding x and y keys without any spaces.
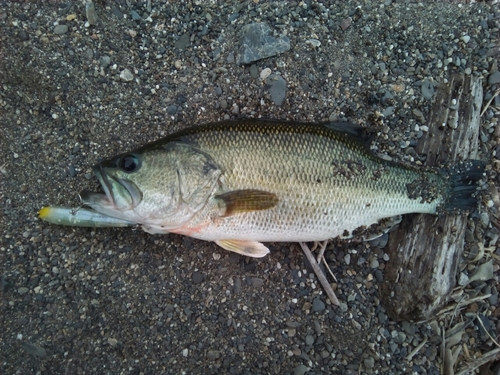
{"x":78,"y":86}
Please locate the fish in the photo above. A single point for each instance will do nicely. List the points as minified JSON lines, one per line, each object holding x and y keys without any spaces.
{"x":243,"y":183}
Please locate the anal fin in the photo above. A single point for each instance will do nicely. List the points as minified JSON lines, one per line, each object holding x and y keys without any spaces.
{"x":252,"y":249}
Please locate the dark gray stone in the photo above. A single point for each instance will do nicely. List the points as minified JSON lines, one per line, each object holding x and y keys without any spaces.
{"x":135,"y":16}
{"x":428,"y":89}
{"x":90,"y":13}
{"x":60,"y":29}
{"x":35,"y":350}
{"x":494,"y":78}
{"x":182,"y":42}
{"x":300,"y":370}
{"x":277,"y":89}
{"x":318,"y":305}
{"x":197,"y":277}
{"x":172,"y":109}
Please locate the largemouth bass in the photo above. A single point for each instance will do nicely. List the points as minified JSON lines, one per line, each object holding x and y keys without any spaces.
{"x":242,"y":183}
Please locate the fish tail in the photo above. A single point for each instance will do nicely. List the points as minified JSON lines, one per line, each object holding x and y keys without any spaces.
{"x":464,"y":178}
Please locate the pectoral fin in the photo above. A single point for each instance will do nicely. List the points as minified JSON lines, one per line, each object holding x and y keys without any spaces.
{"x":252,"y":249}
{"x":240,"y":201}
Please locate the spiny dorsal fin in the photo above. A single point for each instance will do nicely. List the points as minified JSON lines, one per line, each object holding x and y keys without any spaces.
{"x":252,"y":249}
{"x":249,"y":200}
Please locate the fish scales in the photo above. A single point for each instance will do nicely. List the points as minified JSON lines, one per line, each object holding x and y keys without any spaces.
{"x":327,"y":183}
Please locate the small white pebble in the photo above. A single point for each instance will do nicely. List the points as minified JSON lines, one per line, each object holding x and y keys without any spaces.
{"x":185,"y":352}
{"x":265,"y":73}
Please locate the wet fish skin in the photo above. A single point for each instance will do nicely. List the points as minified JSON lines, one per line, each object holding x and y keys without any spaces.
{"x":316,"y":181}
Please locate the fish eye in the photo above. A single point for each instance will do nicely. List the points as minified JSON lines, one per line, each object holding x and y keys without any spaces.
{"x":129,"y":163}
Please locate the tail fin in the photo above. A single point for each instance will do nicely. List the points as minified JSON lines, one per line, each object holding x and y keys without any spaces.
{"x":463,"y":178}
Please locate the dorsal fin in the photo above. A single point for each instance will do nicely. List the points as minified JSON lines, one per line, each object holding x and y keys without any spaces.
{"x":352,"y":130}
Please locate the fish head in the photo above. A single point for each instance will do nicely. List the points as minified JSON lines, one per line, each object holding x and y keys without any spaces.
{"x":160,"y":185}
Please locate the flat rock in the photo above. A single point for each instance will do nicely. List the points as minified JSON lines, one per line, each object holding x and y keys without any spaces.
{"x":35,"y":350}
{"x":256,"y":43}
{"x":277,"y":89}
{"x":60,"y":29}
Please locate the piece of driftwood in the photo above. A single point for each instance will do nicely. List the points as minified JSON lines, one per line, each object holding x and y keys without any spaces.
{"x":425,"y":250}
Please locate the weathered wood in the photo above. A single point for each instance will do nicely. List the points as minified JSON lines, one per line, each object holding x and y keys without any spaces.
{"x":425,"y":250}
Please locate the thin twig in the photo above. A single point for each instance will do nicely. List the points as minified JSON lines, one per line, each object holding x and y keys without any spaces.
{"x":416,"y":350}
{"x":321,"y":250}
{"x":329,"y":270}
{"x":477,"y":362}
{"x":485,"y":330}
{"x":462,"y":304}
{"x":320,"y":275}
{"x":489,"y":102}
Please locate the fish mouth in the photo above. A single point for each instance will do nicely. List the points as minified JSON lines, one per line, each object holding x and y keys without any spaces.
{"x":118,"y":194}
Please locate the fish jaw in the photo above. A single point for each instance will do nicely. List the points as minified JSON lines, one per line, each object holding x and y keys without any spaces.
{"x":119,"y":199}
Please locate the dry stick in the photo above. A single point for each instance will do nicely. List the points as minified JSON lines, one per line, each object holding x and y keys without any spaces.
{"x":485,"y":330}
{"x":320,"y":275}
{"x":329,"y":269}
{"x":321,"y":256}
{"x":322,"y":248}
{"x":485,"y":358}
{"x":489,"y":102}
{"x":416,"y":350}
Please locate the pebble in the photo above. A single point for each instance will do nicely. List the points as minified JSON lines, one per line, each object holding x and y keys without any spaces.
{"x":172,"y":109}
{"x":182,"y":42}
{"x":253,"y":71}
{"x":318,"y":305}
{"x":60,"y":29}
{"x":257,"y":282}
{"x":105,"y":60}
{"x":213,"y":354}
{"x":463,"y":279}
{"x":198,"y":277}
{"x":256,"y":43}
{"x":317,"y":328}
{"x":483,"y":273}
{"x":23,"y":290}
{"x":300,"y":370}
{"x":277,"y":89}
{"x":494,"y":78}
{"x":35,"y":350}
{"x":309,"y":339}
{"x":90,"y":13}
{"x":369,"y":362}
{"x":89,"y":54}
{"x":264,"y":73}
{"x":427,"y":89}
{"x":345,"y":23}
{"x":313,"y":42}
{"x":135,"y":16}
{"x":347,"y":259}
{"x":126,"y":75}
{"x":382,"y":317}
